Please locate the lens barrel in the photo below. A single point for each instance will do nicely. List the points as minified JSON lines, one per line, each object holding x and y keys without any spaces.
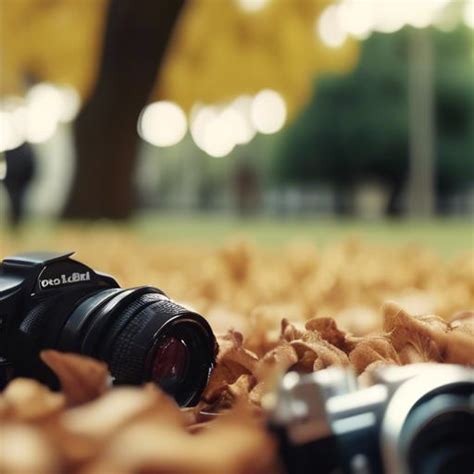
{"x":438,"y":436}
{"x":144,"y":337}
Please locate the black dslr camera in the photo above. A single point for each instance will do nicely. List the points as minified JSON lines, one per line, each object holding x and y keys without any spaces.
{"x":48,"y":300}
{"x":416,"y":419}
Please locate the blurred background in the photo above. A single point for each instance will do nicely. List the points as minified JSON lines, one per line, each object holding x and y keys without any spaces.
{"x":209,"y":116}
{"x":254,"y":158}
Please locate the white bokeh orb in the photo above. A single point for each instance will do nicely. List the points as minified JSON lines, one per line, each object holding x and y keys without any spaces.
{"x":162,"y":124}
{"x":268,"y":111}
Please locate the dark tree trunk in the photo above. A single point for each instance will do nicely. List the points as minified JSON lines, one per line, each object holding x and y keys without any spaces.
{"x":136,"y":37}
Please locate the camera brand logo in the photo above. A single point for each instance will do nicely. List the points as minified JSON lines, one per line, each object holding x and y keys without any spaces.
{"x":65,"y":279}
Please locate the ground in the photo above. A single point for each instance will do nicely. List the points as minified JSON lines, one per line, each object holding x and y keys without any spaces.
{"x":447,"y":237}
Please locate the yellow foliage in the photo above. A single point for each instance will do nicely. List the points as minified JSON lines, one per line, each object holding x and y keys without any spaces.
{"x":218,"y":50}
{"x":54,"y":40}
{"x":221,"y":51}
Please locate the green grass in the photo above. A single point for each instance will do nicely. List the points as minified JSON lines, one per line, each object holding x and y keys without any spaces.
{"x":446,"y":236}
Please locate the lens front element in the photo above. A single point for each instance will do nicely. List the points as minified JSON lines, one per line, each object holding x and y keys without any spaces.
{"x":170,"y":362}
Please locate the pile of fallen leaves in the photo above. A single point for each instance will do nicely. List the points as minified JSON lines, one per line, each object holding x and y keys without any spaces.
{"x":245,"y":286}
{"x":244,"y":375}
{"x":300,"y":309}
{"x":91,"y":428}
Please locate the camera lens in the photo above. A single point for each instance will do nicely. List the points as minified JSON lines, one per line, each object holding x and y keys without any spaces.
{"x":438,"y":435}
{"x":170,"y":362}
{"x":144,"y":337}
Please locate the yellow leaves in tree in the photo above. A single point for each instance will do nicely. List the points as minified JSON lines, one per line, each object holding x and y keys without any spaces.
{"x":221,"y":51}
{"x":218,"y":50}
{"x":50,"y":40}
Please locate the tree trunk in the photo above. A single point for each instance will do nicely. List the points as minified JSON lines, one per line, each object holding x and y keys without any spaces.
{"x":136,"y":37}
{"x":421,"y":186}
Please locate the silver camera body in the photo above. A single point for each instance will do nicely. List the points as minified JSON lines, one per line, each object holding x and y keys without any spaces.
{"x":415,"y":419}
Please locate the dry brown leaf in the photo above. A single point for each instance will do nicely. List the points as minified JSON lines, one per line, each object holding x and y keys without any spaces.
{"x":459,"y":348}
{"x":82,"y":379}
{"x":464,"y":322}
{"x":328,"y":330}
{"x":233,"y":360}
{"x":373,"y":349}
{"x":28,"y":400}
{"x":82,"y":432}
{"x":277,"y":360}
{"x":289,"y":332}
{"x":220,"y":378}
{"x":426,"y":338}
{"x":239,"y":391}
{"x":102,"y":417}
{"x":233,"y":444}
{"x":198,"y":427}
{"x":237,"y":259}
{"x":3,"y":407}
{"x":314,"y":353}
{"x":25,"y":449}
{"x":231,"y":349}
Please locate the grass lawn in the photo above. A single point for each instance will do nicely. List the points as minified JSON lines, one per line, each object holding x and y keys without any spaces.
{"x":445,"y":236}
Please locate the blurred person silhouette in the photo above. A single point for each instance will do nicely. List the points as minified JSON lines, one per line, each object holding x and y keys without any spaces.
{"x":246,"y":188}
{"x":20,"y":164}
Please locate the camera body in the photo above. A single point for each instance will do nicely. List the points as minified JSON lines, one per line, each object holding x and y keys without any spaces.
{"x":27,"y":283}
{"x":48,"y":300}
{"x":416,"y":419}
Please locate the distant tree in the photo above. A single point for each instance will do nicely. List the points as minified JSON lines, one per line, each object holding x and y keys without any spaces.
{"x":136,"y":37}
{"x":454,"y":108}
{"x":186,"y":51}
{"x":356,"y":126}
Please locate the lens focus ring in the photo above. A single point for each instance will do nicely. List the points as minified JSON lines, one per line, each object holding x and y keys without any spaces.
{"x":145,"y":337}
{"x":129,"y":350}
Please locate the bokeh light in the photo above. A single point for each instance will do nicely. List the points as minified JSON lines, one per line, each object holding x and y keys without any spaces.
{"x":360,"y":18}
{"x":200,"y":118}
{"x":268,"y":111}
{"x":71,"y":103}
{"x":252,"y":5}
{"x":468,"y":15}
{"x":218,"y":129}
{"x":356,"y":18}
{"x":162,"y":124}
{"x":244,"y":129}
{"x":35,"y":117}
{"x":329,"y":28}
{"x":219,"y":137}
{"x":42,"y":112}
{"x":10,"y":135}
{"x":212,"y":130}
